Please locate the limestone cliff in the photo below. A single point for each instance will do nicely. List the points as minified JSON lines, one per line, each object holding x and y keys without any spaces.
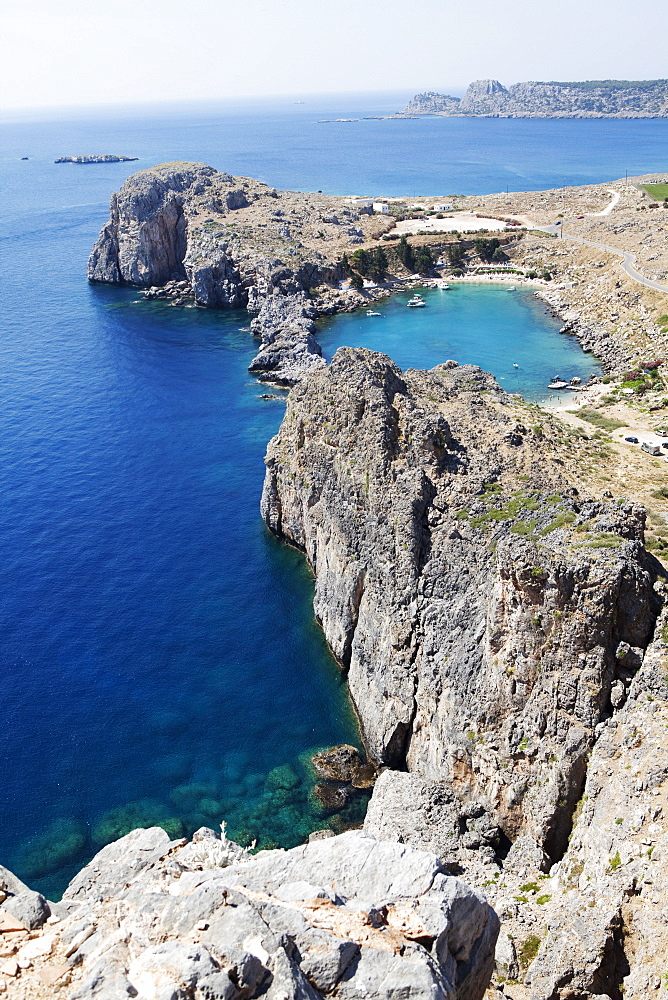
{"x":585,"y":99}
{"x":346,"y":917}
{"x":231,"y":242}
{"x":487,"y":615}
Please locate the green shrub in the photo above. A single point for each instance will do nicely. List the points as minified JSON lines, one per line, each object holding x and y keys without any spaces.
{"x":599,"y":419}
{"x":614,"y":862}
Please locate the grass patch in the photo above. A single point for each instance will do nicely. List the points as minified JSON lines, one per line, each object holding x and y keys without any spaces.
{"x":656,"y":191}
{"x":560,"y":521}
{"x":523,"y":527}
{"x":605,"y":540}
{"x":529,"y":950}
{"x":598,"y":419}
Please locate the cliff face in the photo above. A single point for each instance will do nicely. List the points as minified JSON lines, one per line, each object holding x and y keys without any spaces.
{"x":588,"y":99}
{"x":489,"y":618}
{"x":344,"y":916}
{"x":230,"y":242}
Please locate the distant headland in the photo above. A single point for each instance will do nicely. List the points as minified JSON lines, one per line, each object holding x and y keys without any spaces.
{"x":585,"y":99}
{"x":102,"y":158}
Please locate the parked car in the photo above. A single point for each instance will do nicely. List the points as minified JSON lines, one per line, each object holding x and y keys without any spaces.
{"x":664,"y":444}
{"x":631,"y":440}
{"x":580,"y":216}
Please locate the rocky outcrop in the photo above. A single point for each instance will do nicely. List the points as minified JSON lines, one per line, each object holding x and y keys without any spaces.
{"x":189,"y":233}
{"x":487,"y":616}
{"x":343,"y":916}
{"x":587,"y":99}
{"x":98,"y":158}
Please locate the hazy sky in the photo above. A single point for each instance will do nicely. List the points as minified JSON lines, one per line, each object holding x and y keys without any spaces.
{"x":56,"y":52}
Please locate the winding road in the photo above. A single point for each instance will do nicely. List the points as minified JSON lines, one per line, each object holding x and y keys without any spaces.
{"x":627,"y":259}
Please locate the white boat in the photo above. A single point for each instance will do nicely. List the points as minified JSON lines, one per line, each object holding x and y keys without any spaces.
{"x":416,"y":303}
{"x":558,"y":384}
{"x":511,"y":288}
{"x":370,"y":312}
{"x":515,"y":365}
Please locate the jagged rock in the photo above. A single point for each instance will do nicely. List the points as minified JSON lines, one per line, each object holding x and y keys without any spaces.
{"x":347,"y":916}
{"x":476,"y":602}
{"x":31,"y":908}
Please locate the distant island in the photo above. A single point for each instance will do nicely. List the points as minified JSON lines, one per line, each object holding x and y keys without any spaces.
{"x":586,"y":99}
{"x":102,"y":158}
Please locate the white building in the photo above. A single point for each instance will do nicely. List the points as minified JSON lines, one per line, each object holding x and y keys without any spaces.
{"x":362,"y":204}
{"x":443,"y":207}
{"x":381,"y":208}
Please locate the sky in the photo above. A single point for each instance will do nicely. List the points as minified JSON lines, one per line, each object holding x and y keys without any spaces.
{"x":70,"y":52}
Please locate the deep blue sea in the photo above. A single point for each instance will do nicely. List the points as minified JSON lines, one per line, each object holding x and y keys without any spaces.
{"x":160,"y":661}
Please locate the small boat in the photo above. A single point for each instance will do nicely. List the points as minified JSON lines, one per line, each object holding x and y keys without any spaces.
{"x":416,"y":304}
{"x":511,"y":288}
{"x":558,"y":384}
{"x":370,"y":312}
{"x":576,"y":380}
{"x":515,"y":365}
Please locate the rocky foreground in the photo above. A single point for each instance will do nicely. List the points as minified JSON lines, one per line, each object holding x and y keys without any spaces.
{"x":494,"y":625}
{"x":345,"y":916}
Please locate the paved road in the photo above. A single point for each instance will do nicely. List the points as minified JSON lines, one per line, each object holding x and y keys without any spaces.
{"x":627,"y":259}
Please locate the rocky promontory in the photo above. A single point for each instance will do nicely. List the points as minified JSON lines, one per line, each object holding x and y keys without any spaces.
{"x":584,"y":99}
{"x":346,"y":917}
{"x":232,"y":242}
{"x":493,"y":623}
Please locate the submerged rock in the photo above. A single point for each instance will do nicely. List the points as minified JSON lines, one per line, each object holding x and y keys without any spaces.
{"x":339,"y":763}
{"x":331,"y":798}
{"x":63,"y":842}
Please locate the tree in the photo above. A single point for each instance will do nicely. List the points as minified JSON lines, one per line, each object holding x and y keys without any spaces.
{"x":357,"y":281}
{"x":405,"y":254}
{"x":486,"y":249}
{"x":455,"y":253}
{"x":423,"y":260}
{"x":378,"y":264}
{"x":345,"y":265}
{"x":499,"y":256}
{"x":362,"y":262}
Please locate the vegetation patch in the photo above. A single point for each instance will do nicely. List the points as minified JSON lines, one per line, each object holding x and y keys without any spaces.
{"x":657,"y":191}
{"x":529,"y":950}
{"x":561,"y":521}
{"x":598,"y":419}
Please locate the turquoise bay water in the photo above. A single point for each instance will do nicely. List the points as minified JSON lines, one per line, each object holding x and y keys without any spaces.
{"x":481,"y":324}
{"x":160,"y":658}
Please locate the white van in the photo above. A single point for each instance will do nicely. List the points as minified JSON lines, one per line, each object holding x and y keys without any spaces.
{"x":651,"y":447}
